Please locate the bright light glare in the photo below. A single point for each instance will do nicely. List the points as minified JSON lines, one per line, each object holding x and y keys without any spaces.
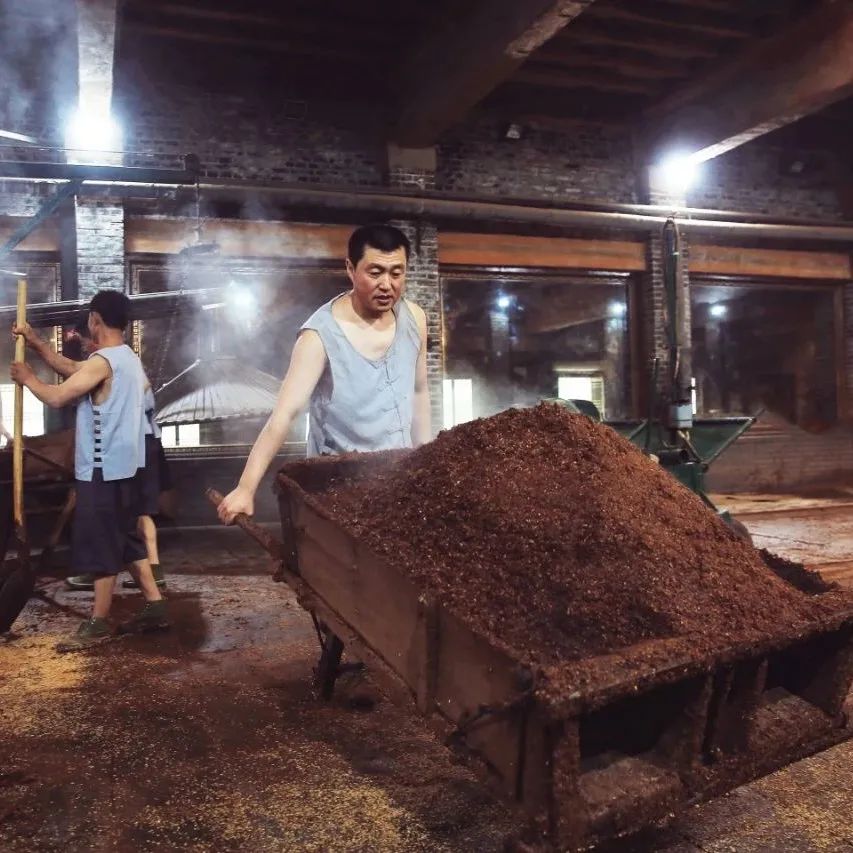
{"x":242,"y":300}
{"x":504,"y":302}
{"x":718,"y":310}
{"x":92,"y":132}
{"x":617,"y":309}
{"x":677,"y":173}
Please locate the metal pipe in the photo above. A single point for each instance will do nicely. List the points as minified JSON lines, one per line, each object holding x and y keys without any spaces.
{"x":45,"y":211}
{"x":444,"y":208}
{"x":143,"y":306}
{"x":388,"y":203}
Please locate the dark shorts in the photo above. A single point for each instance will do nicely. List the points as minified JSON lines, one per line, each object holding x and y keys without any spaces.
{"x":154,"y":477}
{"x":104,"y":536}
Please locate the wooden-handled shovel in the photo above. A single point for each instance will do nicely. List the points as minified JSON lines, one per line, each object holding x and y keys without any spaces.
{"x":17,"y":588}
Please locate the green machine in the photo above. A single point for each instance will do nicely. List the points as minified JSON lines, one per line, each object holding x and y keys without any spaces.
{"x":685,"y":446}
{"x":689,"y":456}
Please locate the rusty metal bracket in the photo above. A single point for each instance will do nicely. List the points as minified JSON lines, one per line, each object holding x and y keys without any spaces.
{"x":46,"y":209}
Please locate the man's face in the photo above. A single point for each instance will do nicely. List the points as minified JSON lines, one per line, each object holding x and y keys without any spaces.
{"x":379,"y":278}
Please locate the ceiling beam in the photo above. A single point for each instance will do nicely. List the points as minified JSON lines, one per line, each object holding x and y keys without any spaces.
{"x":793,"y":74}
{"x":640,"y":65}
{"x":602,"y":81}
{"x":621,"y":37}
{"x":241,"y":22}
{"x":723,"y":7}
{"x":461,"y":64}
{"x":514,"y":101}
{"x":287,"y":46}
{"x":670,"y":22}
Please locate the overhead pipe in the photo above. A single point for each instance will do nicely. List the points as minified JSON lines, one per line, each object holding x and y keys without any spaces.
{"x":388,"y":203}
{"x":143,"y":306}
{"x":444,"y":208}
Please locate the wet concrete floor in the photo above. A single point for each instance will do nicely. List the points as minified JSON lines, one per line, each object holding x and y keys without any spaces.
{"x":209,"y":738}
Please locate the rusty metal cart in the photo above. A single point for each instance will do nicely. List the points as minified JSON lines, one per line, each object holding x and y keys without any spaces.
{"x":634,"y":743}
{"x":49,"y":503}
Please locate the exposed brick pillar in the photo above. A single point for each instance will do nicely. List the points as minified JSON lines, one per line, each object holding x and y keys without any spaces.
{"x":652,"y":300}
{"x":653,"y":306}
{"x":100,"y":245}
{"x":422,"y":287}
{"x":413,"y":169}
{"x":653,"y":295}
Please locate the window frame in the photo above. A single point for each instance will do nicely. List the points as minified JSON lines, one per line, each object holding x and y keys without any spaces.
{"x":528,"y":275}
{"x":769,"y":283}
{"x":137,"y":264}
{"x":29,"y":261}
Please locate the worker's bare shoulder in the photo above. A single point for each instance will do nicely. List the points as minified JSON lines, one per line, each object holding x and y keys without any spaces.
{"x":96,"y":365}
{"x":309,"y":346}
{"x":418,"y":313}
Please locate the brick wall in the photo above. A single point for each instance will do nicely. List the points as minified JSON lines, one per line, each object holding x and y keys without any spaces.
{"x":780,"y":457}
{"x":266,"y":139}
{"x":583,"y":164}
{"x":100,"y":246}
{"x":757,"y":178}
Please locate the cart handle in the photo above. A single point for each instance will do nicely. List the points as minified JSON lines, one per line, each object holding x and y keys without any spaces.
{"x":266,"y":540}
{"x":18,"y":429}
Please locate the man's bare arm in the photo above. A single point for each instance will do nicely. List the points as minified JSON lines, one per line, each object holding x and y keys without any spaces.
{"x":89,"y":376}
{"x":421,"y":414}
{"x":63,"y":366}
{"x":306,"y":367}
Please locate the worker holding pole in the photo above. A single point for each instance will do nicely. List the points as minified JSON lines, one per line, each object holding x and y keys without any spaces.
{"x":109,"y":388}
{"x":153,"y":479}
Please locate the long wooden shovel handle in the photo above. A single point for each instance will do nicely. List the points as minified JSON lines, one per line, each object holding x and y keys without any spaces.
{"x":266,"y":540}
{"x":18,"y":449}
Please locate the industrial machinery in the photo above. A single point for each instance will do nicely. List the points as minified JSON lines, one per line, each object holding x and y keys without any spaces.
{"x":684,"y":445}
{"x":686,"y":455}
{"x":48,"y":476}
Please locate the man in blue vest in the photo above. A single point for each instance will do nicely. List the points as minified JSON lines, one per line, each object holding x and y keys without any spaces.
{"x":153,"y":479}
{"x":109,"y":388}
{"x":359,"y":361}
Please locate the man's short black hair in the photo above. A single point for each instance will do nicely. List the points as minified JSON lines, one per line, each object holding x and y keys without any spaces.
{"x":114,"y":308}
{"x":386,"y":238}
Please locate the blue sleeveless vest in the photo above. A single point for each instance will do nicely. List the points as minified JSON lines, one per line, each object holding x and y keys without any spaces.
{"x":151,"y":425}
{"x":360,"y":404}
{"x":111,"y":435}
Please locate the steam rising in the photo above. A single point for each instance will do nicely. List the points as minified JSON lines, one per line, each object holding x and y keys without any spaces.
{"x":38,"y":54}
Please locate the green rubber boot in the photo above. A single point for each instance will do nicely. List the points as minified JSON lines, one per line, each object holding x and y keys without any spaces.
{"x":90,"y":633}
{"x":80,"y":582}
{"x":152,"y":617}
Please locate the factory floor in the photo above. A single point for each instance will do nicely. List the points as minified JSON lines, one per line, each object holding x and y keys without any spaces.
{"x":209,"y":737}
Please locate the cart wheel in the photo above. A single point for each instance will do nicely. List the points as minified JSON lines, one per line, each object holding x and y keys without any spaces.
{"x":328,"y":667}
{"x":7,"y":523}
